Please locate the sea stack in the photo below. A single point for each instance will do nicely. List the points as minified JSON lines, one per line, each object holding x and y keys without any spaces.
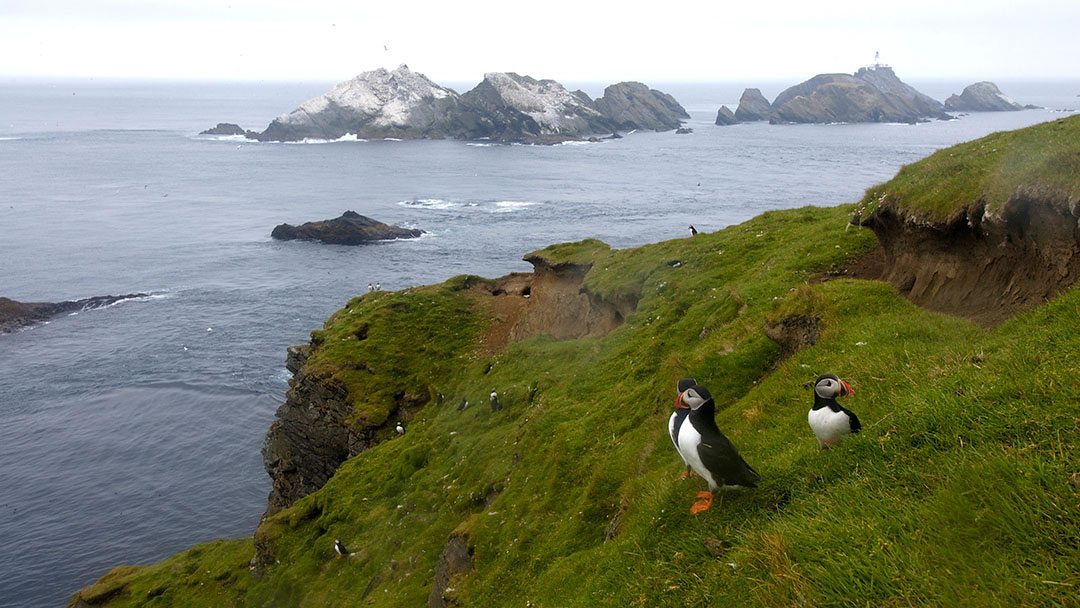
{"x":981,"y":97}
{"x":753,"y":107}
{"x":873,"y":94}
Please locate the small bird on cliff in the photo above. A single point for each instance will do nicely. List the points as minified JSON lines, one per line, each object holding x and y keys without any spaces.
{"x":370,"y":287}
{"x":378,"y":286}
{"x":340,"y":549}
{"x":678,"y":417}
{"x":708,"y":452}
{"x":693,"y":231}
{"x":495,"y":404}
{"x":830,"y":421}
{"x":400,"y":429}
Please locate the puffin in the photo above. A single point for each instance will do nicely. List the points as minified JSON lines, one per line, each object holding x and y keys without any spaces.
{"x":830,"y":421}
{"x":340,"y":549}
{"x":693,"y":231}
{"x":708,"y":452}
{"x":496,"y":405}
{"x":400,"y":429}
{"x":678,"y":417}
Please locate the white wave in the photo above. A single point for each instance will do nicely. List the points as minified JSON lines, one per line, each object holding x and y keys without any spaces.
{"x":392,"y":139}
{"x":512,"y":206}
{"x":429,"y":203}
{"x":578,"y":142}
{"x":477,"y":144}
{"x":239,"y":138}
{"x":10,"y":138}
{"x":348,"y":137}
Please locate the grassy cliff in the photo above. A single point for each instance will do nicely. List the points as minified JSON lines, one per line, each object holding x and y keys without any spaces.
{"x":963,"y":488}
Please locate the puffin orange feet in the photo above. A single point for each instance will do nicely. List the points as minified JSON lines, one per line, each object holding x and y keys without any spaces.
{"x":703,"y":503}
{"x":687,"y":474}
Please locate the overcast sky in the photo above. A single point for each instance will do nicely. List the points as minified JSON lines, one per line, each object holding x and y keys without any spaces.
{"x":565,"y":40}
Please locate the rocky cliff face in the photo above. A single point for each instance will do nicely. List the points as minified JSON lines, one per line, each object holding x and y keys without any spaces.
{"x":379,"y":103}
{"x":632,"y":105}
{"x":870,"y":95}
{"x":753,"y":107}
{"x":316,"y":428}
{"x":981,"y":97}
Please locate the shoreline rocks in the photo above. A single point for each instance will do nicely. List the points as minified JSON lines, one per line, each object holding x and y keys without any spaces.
{"x":16,"y":315}
{"x":349,"y":229}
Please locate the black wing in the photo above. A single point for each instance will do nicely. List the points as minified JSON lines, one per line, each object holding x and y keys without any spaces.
{"x":720,"y":456}
{"x":855,"y":424}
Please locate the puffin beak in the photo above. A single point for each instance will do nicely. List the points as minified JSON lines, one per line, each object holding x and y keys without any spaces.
{"x":845,"y":389}
{"x":679,"y":403}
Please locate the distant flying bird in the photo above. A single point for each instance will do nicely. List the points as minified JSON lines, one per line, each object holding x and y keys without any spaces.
{"x":831,"y":422}
{"x":709,"y":452}
{"x":678,"y":418}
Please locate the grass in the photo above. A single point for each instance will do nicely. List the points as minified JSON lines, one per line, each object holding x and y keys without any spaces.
{"x":962,"y":488}
{"x":987,"y":170}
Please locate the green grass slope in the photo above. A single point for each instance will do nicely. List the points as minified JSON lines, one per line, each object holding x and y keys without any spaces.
{"x":987,"y":170}
{"x":962,"y":489}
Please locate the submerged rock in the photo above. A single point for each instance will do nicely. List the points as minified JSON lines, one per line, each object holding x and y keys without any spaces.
{"x":981,"y":97}
{"x":228,"y":128}
{"x":349,"y":229}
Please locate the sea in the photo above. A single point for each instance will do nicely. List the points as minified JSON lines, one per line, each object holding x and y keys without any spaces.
{"x":132,"y":432}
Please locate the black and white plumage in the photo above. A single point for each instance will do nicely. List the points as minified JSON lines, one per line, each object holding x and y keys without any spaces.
{"x":709,"y":452}
{"x":830,"y":421}
{"x":400,"y":429}
{"x":496,"y":405}
{"x":340,"y":549}
{"x":678,"y":417}
{"x":693,"y":231}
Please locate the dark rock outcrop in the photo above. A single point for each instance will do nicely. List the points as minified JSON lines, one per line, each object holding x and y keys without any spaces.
{"x":455,"y":560}
{"x":870,"y":95}
{"x":632,"y":105}
{"x":979,"y":265}
{"x":228,"y":128}
{"x":724,"y":116}
{"x":349,"y":229}
{"x":753,"y":107}
{"x":15,"y":315}
{"x":981,"y":97}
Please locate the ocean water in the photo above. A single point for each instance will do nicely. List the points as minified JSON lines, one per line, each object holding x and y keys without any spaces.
{"x":132,"y":432}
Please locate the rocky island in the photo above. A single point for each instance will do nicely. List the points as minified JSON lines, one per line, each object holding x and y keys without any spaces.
{"x":872,"y":94}
{"x":981,"y":97}
{"x":349,"y":229}
{"x":503,"y":107}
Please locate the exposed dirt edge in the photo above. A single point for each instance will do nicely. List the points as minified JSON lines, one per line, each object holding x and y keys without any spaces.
{"x":980,"y":265}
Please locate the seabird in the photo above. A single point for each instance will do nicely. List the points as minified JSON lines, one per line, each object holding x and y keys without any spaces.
{"x":678,"y":417}
{"x":370,"y":287}
{"x":830,"y":421}
{"x":709,"y":452}
{"x":693,"y":231}
{"x":495,"y":404}
{"x":400,"y":429}
{"x":340,"y":549}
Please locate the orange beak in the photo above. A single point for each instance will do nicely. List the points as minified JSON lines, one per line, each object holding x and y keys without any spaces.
{"x":679,"y":404}
{"x":846,"y":390}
